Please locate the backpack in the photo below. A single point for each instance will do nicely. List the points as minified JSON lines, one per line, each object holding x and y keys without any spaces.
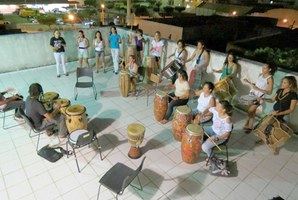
{"x":219,"y":167}
{"x":50,"y":154}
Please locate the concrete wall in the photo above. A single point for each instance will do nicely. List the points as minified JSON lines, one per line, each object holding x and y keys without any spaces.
{"x":24,"y":51}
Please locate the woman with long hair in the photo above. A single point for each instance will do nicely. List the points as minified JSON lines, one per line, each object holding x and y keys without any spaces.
{"x":99,"y":47}
{"x":229,"y":68}
{"x":82,"y":44}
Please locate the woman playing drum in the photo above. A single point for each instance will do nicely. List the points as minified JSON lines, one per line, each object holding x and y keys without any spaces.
{"x":221,"y":127}
{"x":140,"y":45}
{"x":202,"y":61}
{"x":285,"y":98}
{"x":229,"y":68}
{"x":179,"y":57}
{"x":132,"y":67}
{"x":263,"y":85}
{"x":99,"y":47}
{"x":205,"y":101}
{"x":180,"y":97}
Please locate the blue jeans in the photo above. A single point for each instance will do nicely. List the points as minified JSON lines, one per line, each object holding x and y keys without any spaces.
{"x":172,"y":104}
{"x":208,"y":145}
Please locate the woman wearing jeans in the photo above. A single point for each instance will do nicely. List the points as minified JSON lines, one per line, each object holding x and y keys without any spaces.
{"x":58,"y":44}
{"x":114,"y":41}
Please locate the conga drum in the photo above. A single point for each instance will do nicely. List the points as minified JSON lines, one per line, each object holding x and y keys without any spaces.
{"x":64,"y":104}
{"x":135,"y":134}
{"x":225,"y":89}
{"x":124,"y":82}
{"x":130,"y":50}
{"x":191,"y":144}
{"x":273,"y":132}
{"x":150,"y":67}
{"x":76,"y":118}
{"x":160,"y":105}
{"x":181,"y":119}
{"x":47,"y":100}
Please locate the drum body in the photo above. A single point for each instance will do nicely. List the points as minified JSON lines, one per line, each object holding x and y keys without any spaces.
{"x":248,"y":100}
{"x":76,"y":118}
{"x":181,"y":119}
{"x":130,"y":50}
{"x":191,"y":144}
{"x":225,"y":89}
{"x":171,"y":69}
{"x":135,"y":134}
{"x":64,"y":104}
{"x":273,"y":132}
{"x":160,"y":105}
{"x":149,"y":67}
{"x":47,"y":100}
{"x":124,"y":82}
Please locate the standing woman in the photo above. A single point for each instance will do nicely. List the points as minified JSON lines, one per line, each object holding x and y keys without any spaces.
{"x":202,"y":61}
{"x":229,"y":68}
{"x":58,"y":44}
{"x":263,"y":86}
{"x":114,"y":41}
{"x":156,"y":49}
{"x":132,"y":67}
{"x":82,"y":45}
{"x":180,"y":96}
{"x":140,"y":45}
{"x":179,"y":57}
{"x":99,"y":46}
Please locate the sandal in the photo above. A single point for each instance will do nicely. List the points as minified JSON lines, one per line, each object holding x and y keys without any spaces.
{"x":248,"y":130}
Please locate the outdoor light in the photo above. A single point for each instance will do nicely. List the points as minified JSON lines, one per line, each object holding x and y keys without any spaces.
{"x":271,"y":2}
{"x":285,"y":20}
{"x":234,"y":13}
{"x":102,"y":6}
{"x":71,"y":17}
{"x":187,"y":6}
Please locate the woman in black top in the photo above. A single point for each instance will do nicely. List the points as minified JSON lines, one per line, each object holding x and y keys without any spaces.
{"x":285,"y":98}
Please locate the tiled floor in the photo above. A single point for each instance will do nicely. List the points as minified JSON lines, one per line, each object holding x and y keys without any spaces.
{"x":24,"y":175}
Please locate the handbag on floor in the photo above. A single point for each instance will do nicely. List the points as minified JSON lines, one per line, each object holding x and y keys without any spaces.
{"x":50,"y":153}
{"x":219,"y":167}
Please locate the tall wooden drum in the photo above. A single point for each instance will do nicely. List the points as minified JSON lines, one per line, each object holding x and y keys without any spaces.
{"x":124,"y":82}
{"x":225,"y":89}
{"x":191,"y":144}
{"x":76,"y":118}
{"x":181,"y":119}
{"x":160,"y":105}
{"x":135,"y":134}
{"x":64,"y":104}
{"x":150,"y":67}
{"x":130,"y":50}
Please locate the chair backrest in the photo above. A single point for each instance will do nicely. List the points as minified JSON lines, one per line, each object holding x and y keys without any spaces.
{"x":141,"y":73}
{"x":85,"y":138}
{"x":227,"y":140}
{"x":154,"y":78}
{"x":26,"y":118}
{"x":81,"y":72}
{"x":130,"y":178}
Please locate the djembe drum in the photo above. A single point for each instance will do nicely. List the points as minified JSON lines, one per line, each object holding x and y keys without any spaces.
{"x":47,"y":100}
{"x":135,"y":134}
{"x":181,"y":119}
{"x":149,"y":67}
{"x":160,"y":105}
{"x":225,"y":89}
{"x":248,"y":100}
{"x":124,"y":82}
{"x":76,"y":118}
{"x":191,"y":144}
{"x":130,"y":50}
{"x":273,"y":132}
{"x":64,"y":104}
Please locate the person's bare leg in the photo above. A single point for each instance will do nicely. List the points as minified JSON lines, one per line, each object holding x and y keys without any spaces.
{"x":87,"y":63}
{"x":96,"y":64}
{"x":81,"y":62}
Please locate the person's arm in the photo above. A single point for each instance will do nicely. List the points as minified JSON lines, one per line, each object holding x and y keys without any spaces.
{"x":119,"y":40}
{"x":198,"y":92}
{"x":63,"y":43}
{"x":183,"y":56}
{"x":7,"y":100}
{"x":77,"y":42}
{"x":171,"y":55}
{"x":234,"y":71}
{"x":93,"y":43}
{"x":270,"y":87}
{"x":286,"y":112}
{"x":269,"y":100}
{"x":191,"y":57}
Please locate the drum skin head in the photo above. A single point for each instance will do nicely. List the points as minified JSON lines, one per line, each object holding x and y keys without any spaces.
{"x":62,"y":101}
{"x":195,"y":129}
{"x":75,"y":110}
{"x":183,"y":109}
{"x":161,"y":93}
{"x":50,"y":95}
{"x":135,"y":128}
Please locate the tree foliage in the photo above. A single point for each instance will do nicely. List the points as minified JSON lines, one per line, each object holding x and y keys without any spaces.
{"x":48,"y":19}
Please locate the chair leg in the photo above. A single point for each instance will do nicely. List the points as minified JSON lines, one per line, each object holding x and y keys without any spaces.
{"x":140,"y":183}
{"x":74,"y":152}
{"x":208,"y":160}
{"x":227,"y":153}
{"x":98,"y":191}
{"x":75,"y":93}
{"x":3,"y":120}
{"x":38,"y":141}
{"x":99,"y":148}
{"x":94,"y":92}
{"x":147,"y":93}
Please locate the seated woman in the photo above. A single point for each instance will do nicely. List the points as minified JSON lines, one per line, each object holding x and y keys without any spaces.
{"x":263,"y":86}
{"x":132,"y":67}
{"x":229,"y":68}
{"x":180,"y":96}
{"x":221,"y":127}
{"x":205,"y":101}
{"x":285,"y":98}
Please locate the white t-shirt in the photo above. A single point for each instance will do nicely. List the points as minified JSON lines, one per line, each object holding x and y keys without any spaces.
{"x":203,"y":102}
{"x":157,"y":48}
{"x":219,"y":125}
{"x":181,"y":88}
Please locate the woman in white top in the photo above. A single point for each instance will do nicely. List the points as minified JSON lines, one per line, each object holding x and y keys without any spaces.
{"x":221,"y":126}
{"x":202,"y":61}
{"x":99,"y":47}
{"x":180,"y":96}
{"x":205,"y":101}
{"x":132,"y":67}
{"x":82,"y":45}
{"x":263,"y":86}
{"x":156,"y":49}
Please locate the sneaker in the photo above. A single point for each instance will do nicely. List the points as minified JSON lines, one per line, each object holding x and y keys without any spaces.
{"x":66,"y":74}
{"x":19,"y":119}
{"x":50,"y":132}
{"x":58,"y":76}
